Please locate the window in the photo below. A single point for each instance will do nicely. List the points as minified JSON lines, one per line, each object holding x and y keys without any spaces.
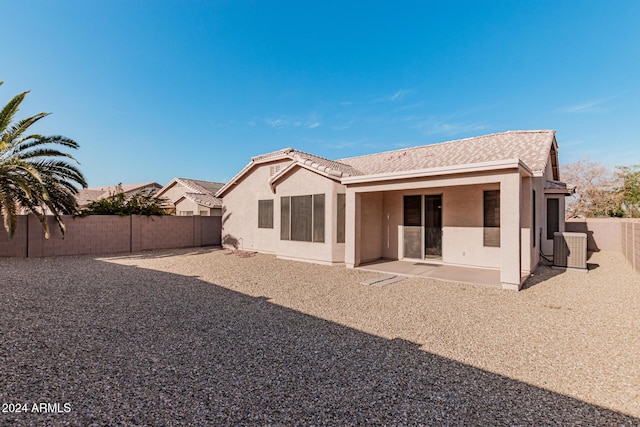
{"x":492,"y":218}
{"x":533,"y":218}
{"x":285,"y":218}
{"x":341,"y":223}
{"x":185,"y":213}
{"x":204,"y":213}
{"x":303,"y":221}
{"x":553,"y":217}
{"x":412,"y":211}
{"x":265,"y":213}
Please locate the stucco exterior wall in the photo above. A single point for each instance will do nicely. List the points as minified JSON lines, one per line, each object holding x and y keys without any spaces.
{"x":186,"y":205}
{"x":174,"y":192}
{"x":372,"y":215}
{"x":240,"y":218}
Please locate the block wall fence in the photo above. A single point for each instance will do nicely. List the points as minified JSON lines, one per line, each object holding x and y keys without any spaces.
{"x":103,"y":234}
{"x":611,"y":234}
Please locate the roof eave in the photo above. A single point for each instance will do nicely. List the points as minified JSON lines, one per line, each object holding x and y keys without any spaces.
{"x":445,"y":170}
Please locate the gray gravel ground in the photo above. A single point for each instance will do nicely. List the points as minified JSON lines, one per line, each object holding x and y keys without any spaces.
{"x":204,"y":338}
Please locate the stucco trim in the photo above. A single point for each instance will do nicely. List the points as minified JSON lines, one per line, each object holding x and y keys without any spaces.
{"x":447,"y":170}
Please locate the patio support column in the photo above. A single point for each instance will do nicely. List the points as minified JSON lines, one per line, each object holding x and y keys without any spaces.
{"x":510,"y":248}
{"x":352,"y":229}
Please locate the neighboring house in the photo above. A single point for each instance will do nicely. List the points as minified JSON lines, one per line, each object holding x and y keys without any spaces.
{"x":91,"y":194}
{"x":186,"y":197}
{"x":492,"y":201}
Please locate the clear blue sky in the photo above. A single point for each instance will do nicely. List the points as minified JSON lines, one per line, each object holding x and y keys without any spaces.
{"x":157,"y":89}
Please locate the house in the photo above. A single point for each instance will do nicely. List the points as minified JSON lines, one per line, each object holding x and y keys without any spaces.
{"x":186,"y":197}
{"x":491,"y":201}
{"x":91,"y":194}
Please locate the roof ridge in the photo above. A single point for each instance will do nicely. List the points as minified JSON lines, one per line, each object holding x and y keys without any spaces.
{"x":446,"y":142}
{"x":320,"y":157}
{"x":184,"y":181}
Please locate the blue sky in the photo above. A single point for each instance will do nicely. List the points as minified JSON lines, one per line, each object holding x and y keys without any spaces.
{"x":157,"y":89}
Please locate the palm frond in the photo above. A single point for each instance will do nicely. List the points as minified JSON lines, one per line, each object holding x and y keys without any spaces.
{"x":7,"y":113}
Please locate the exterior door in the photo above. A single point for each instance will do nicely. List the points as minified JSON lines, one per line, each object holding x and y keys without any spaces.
{"x":433,"y":226}
{"x":422,"y":227}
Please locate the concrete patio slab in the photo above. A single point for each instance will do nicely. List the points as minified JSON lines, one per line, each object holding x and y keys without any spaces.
{"x":450,"y":273}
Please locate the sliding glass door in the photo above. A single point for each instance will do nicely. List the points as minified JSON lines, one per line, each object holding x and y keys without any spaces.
{"x":422,"y":226}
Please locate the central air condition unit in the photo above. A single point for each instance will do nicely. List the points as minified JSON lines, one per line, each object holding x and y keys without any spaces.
{"x":570,"y":250}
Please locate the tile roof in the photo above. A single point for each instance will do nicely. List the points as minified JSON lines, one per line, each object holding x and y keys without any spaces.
{"x":531,"y":147}
{"x":330,"y":167}
{"x":198,"y":191}
{"x":90,"y":194}
{"x":202,"y":187}
{"x":204,"y":199}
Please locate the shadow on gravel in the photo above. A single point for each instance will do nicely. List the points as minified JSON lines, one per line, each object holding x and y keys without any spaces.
{"x":128,"y":346}
{"x":159,"y":253}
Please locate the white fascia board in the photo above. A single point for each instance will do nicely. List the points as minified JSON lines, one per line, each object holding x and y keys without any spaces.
{"x":446,"y":170}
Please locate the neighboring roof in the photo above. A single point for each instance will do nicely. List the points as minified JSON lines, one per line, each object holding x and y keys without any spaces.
{"x":90,"y":194}
{"x":198,"y":191}
{"x":204,"y":199}
{"x":530,"y":148}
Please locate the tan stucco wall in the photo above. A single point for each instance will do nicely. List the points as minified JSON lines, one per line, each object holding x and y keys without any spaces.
{"x":174,"y":192}
{"x":372,"y":215}
{"x":240,"y":220}
{"x":186,"y":205}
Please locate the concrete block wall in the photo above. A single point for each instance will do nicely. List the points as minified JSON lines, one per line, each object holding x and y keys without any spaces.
{"x":211,"y":232}
{"x":101,"y":234}
{"x":17,"y":246}
{"x":611,"y":234}
{"x":168,"y":232}
{"x":631,"y":243}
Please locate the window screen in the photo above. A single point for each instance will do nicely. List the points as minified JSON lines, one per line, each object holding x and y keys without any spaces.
{"x":341,"y":217}
{"x":265,"y":213}
{"x":301,"y":220}
{"x":492,"y":218}
{"x":318,"y":217}
{"x":412,"y":211}
{"x":533,"y":218}
{"x":553,"y":217}
{"x":285,"y":218}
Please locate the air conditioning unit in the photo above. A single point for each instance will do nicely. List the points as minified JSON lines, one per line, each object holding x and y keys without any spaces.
{"x":570,"y":250}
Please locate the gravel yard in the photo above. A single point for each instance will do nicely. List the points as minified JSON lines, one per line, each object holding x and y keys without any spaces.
{"x":200,"y":337}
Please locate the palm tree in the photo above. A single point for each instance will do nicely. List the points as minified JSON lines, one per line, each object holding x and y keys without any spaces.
{"x":35,"y":177}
